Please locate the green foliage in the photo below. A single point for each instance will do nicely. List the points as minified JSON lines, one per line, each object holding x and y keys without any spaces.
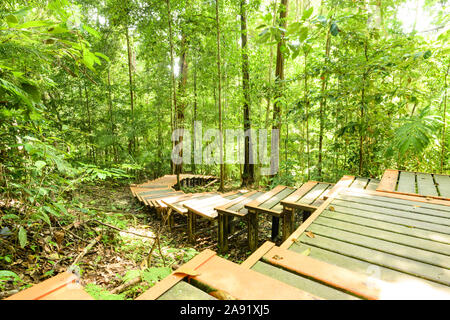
{"x":98,"y":293}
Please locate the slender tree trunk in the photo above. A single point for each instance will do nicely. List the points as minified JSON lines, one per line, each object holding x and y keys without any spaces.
{"x":279,"y":78}
{"x":362,"y":115}
{"x":132,"y":142}
{"x":174,"y":87}
{"x":92,"y":152}
{"x":323,"y":103}
{"x":248,"y":174}
{"x":270,"y":69}
{"x":306,"y":94}
{"x":219,"y":75}
{"x":111,"y":120}
{"x":194,"y":118}
{"x":444,"y":116}
{"x":181,"y":104}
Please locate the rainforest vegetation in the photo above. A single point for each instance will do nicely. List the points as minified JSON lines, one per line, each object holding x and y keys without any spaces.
{"x":91,"y":92}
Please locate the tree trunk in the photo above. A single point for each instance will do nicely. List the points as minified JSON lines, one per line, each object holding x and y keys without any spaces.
{"x":174,"y":87}
{"x":443,"y":147}
{"x":323,"y":104}
{"x":279,"y":77}
{"x":132,"y":142}
{"x":181,"y":105}
{"x":219,"y":75}
{"x":248,"y":174}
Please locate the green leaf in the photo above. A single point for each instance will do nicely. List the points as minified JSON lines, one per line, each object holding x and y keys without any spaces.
{"x":6,"y":275}
{"x":11,"y":20}
{"x":23,"y":240}
{"x":10,"y":216}
{"x":92,"y":31}
{"x":307,"y":13}
{"x":334,"y":29}
{"x":40,"y":164}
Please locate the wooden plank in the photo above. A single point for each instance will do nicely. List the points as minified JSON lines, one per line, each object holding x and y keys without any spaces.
{"x":343,"y":183}
{"x":373,"y":184}
{"x":40,"y":290}
{"x":406,"y":182}
{"x":413,"y":210}
{"x":323,"y":196}
{"x":300,"y":192}
{"x":359,"y":183}
{"x":302,"y":283}
{"x":326,"y":219}
{"x":185,"y":291}
{"x":257,"y":255}
{"x":331,"y":275}
{"x":245,"y":284}
{"x":272,"y":202}
{"x":266,"y":196}
{"x":443,"y":185}
{"x":407,"y":222}
{"x":405,"y":265}
{"x":394,"y":197}
{"x":440,"y":240}
{"x":168,"y":282}
{"x":425,"y":185}
{"x":314,"y":193}
{"x":431,"y":258}
{"x":364,"y":267}
{"x":388,"y":181}
{"x":73,"y":291}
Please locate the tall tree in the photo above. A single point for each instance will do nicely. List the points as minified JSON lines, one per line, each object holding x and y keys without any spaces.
{"x":248,"y":174}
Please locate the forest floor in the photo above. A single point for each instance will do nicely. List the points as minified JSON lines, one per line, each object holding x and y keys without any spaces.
{"x":126,"y":260}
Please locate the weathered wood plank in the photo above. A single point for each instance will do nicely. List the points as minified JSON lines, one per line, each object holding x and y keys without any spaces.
{"x":184,"y":291}
{"x":275,"y":200}
{"x":364,"y":267}
{"x":373,"y":184}
{"x":359,"y":183}
{"x":314,"y":193}
{"x":257,"y":255}
{"x":388,"y":181}
{"x":393,"y":197}
{"x":400,"y":250}
{"x":264,"y":197}
{"x":403,"y":239}
{"x":425,"y":185}
{"x":407,"y":222}
{"x":419,"y":212}
{"x":301,"y":283}
{"x":440,"y":240}
{"x":407,"y":182}
{"x":443,"y":184}
{"x":300,"y":192}
{"x":343,"y":183}
{"x":246,"y":284}
{"x":331,"y":275}
{"x":168,"y":282}
{"x":398,"y":263}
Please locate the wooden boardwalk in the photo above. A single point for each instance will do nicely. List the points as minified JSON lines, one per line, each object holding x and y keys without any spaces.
{"x":358,"y":244}
{"x":359,"y":239}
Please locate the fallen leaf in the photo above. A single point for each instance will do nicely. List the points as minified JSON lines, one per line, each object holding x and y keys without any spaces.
{"x":331,"y":208}
{"x":310,"y":234}
{"x":306,"y":252}
{"x":277,"y":257}
{"x":186,"y":271}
